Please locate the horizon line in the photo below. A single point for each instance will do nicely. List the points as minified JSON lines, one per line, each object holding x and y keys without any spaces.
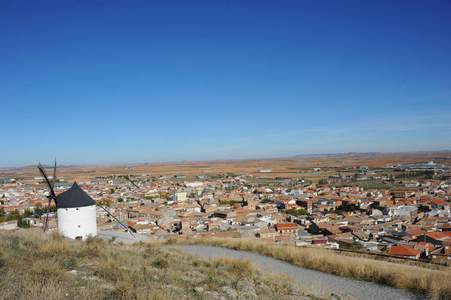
{"x":234,"y":159}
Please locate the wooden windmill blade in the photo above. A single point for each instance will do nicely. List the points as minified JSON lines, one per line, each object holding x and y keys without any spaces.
{"x":47,"y":216}
{"x":52,"y":194}
{"x":54,"y":176}
{"x":53,"y":187}
{"x":111,"y":215}
{"x":46,"y":226}
{"x":134,"y":184}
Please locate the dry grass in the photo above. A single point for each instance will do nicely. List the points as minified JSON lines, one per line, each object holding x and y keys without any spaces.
{"x":433,"y":282}
{"x":34,"y":265}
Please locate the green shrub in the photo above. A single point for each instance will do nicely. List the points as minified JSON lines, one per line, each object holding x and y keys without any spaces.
{"x":160,"y":263}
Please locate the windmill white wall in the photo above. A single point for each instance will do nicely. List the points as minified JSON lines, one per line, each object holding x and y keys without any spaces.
{"x":76,"y":213}
{"x":76,"y":222}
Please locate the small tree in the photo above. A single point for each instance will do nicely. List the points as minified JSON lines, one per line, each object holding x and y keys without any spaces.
{"x":14,"y":215}
{"x":356,"y":246}
{"x":322,"y":182}
{"x":23,"y":224}
{"x":39,"y":210}
{"x":296,"y":212}
{"x":27,"y":212}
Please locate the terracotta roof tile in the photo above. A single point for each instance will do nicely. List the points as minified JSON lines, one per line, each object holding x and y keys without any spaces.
{"x":403,"y":251}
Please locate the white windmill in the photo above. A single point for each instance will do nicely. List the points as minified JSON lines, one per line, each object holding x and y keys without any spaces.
{"x":76,"y":210}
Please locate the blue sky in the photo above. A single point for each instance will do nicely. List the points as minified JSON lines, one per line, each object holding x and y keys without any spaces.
{"x":96,"y":82}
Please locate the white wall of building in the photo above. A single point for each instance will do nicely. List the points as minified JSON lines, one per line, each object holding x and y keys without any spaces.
{"x":77,"y":221}
{"x":179,"y":196}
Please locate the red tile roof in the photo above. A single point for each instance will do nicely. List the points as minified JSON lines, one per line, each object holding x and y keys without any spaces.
{"x":439,"y":202}
{"x":286,"y":226}
{"x":415,"y":232}
{"x":403,"y":251}
{"x":437,"y":235}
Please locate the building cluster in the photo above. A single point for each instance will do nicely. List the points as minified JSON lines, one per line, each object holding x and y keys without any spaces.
{"x":412,"y":221}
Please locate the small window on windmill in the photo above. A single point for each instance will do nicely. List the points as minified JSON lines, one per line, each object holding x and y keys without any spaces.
{"x":77,"y":208}
{"x":78,"y":226}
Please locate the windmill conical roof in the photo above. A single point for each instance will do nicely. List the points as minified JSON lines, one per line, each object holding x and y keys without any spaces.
{"x":74,"y":197}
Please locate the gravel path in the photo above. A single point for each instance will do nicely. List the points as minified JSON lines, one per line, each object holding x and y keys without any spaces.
{"x":123,"y":237}
{"x":315,"y":281}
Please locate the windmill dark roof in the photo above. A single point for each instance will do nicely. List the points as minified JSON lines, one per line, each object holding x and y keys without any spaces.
{"x":74,"y":197}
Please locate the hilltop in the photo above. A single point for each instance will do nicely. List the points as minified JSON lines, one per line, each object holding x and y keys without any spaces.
{"x":48,"y":266}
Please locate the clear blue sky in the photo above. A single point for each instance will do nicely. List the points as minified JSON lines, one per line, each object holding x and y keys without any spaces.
{"x":94,"y":82}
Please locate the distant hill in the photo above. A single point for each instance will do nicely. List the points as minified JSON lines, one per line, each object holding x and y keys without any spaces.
{"x":223,"y":163}
{"x":347,"y":154}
